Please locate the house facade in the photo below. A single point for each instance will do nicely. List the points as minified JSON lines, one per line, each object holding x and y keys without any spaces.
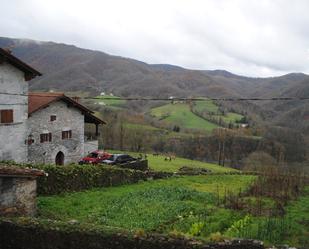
{"x":39,"y":127}
{"x":56,"y":129}
{"x":14,"y":75}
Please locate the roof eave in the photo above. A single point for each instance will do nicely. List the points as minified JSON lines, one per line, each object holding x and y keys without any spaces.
{"x":29,"y":72}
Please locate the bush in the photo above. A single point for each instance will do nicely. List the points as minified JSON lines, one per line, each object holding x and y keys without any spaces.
{"x":77,"y":178}
{"x":259,"y":161}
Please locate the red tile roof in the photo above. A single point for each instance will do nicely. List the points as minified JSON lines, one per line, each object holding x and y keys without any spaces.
{"x":30,"y":72}
{"x":40,"y":100}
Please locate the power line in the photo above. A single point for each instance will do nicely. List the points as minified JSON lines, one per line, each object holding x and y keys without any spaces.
{"x":170,"y":98}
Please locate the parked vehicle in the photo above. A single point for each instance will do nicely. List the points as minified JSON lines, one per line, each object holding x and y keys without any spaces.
{"x":119,"y":159}
{"x":95,"y":157}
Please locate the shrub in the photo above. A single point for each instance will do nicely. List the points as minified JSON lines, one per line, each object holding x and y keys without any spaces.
{"x":77,"y":178}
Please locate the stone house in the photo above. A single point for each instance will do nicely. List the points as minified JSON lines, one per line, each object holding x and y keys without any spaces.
{"x":14,"y":75}
{"x":56,"y":129}
{"x":39,"y":127}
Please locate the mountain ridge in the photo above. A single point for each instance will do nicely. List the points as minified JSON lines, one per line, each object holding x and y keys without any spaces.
{"x":69,"y":68}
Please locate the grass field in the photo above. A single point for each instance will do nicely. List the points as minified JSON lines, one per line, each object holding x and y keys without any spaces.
{"x":143,"y":127}
{"x":231,"y":117}
{"x":146,"y":205}
{"x":186,"y":206}
{"x":110,"y":101}
{"x":163,"y":133}
{"x":158,"y":163}
{"x":208,"y":106}
{"x":180,"y":114}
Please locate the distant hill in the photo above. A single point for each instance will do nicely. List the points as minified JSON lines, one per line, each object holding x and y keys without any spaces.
{"x":69,"y":68}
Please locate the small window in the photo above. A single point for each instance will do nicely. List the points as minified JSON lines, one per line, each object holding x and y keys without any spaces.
{"x":53,"y":118}
{"x":6,"y":116}
{"x":66,"y":134}
{"x":46,"y":137}
{"x":30,"y":140}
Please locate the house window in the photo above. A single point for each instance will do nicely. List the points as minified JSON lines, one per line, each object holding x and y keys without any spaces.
{"x":53,"y":118}
{"x":6,"y":116}
{"x":46,"y":137}
{"x":30,"y":140}
{"x":66,"y":134}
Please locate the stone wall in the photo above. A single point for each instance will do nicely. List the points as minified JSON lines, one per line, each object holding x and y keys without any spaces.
{"x":17,"y":196}
{"x":35,"y":236}
{"x":12,"y":136}
{"x":67,"y":118}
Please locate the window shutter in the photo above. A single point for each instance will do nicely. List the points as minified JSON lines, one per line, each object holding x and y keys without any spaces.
{"x":66,"y":134}
{"x":6,"y":116}
{"x":45,"y":137}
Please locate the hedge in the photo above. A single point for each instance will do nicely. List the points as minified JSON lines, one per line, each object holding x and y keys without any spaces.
{"x":76,"y":178}
{"x":53,"y":235}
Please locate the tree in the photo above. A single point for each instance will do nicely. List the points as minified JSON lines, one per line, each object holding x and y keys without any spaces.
{"x":293,"y":142}
{"x":259,"y":161}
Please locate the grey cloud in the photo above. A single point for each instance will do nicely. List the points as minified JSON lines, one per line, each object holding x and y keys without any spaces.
{"x":255,"y":38}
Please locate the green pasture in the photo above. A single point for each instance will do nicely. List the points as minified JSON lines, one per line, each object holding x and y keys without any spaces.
{"x":158,"y":163}
{"x":111,"y":101}
{"x":179,"y":114}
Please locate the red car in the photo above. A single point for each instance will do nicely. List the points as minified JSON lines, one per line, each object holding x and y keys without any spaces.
{"x":95,"y":157}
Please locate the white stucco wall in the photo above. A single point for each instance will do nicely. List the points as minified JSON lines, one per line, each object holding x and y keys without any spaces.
{"x":12,"y":136}
{"x":68,"y":118}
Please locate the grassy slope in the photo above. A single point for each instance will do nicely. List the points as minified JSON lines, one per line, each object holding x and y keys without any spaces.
{"x":146,"y":205}
{"x":163,"y":133}
{"x":110,"y":100}
{"x":209,"y":106}
{"x":180,"y":114}
{"x":158,"y":163}
{"x":231,"y":117}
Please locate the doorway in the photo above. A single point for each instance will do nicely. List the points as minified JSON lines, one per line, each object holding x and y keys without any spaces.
{"x":59,"y":158}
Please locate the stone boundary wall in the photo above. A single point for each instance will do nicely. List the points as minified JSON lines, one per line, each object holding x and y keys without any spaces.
{"x":33,"y":236}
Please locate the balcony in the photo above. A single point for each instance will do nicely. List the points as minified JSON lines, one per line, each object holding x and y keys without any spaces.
{"x":91,"y":136}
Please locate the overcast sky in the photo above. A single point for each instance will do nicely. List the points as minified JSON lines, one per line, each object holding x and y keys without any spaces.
{"x":247,"y":37}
